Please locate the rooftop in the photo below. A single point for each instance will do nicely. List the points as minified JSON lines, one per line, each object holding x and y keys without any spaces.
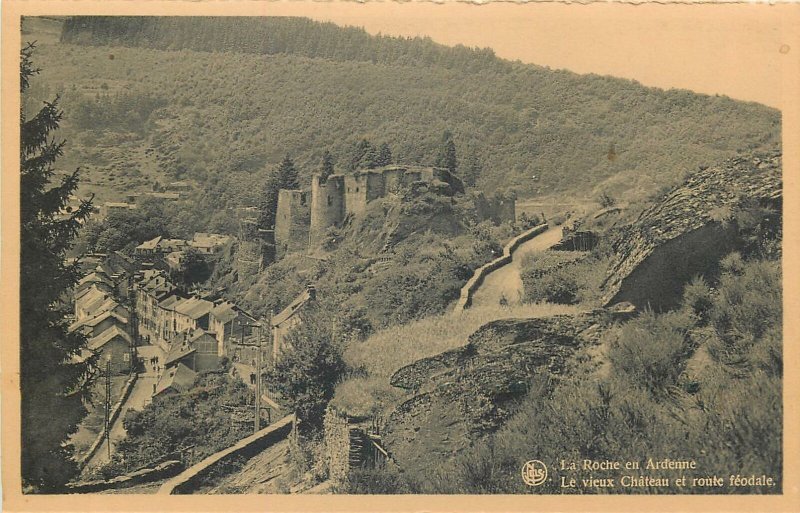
{"x":97,"y":319}
{"x":194,"y":308}
{"x":294,"y":307}
{"x":180,"y":378}
{"x":107,"y":336}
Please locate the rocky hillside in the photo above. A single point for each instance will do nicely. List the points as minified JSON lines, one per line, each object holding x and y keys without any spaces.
{"x":465,"y":393}
{"x":697,"y":223}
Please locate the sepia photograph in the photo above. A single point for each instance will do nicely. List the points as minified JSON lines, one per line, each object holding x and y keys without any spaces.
{"x":404,"y":250}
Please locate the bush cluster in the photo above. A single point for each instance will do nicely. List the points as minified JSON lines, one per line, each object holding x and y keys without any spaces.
{"x":703,"y":383}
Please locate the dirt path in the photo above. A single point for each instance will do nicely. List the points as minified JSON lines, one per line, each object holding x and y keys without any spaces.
{"x":507,"y":280}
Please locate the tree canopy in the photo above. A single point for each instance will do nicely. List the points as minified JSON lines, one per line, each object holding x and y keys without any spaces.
{"x":53,"y":378}
{"x":309,"y":368}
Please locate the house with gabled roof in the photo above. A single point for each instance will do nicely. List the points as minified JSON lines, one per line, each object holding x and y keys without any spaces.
{"x":93,"y":326}
{"x":197,"y":350}
{"x":208,"y":243}
{"x":148,"y":247}
{"x":192,"y":314}
{"x":230,"y":324}
{"x":175,"y":380}
{"x":115,"y":346}
{"x":287,"y":319}
{"x":86,"y":304}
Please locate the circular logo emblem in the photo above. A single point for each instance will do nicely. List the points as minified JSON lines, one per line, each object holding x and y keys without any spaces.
{"x":534,"y":472}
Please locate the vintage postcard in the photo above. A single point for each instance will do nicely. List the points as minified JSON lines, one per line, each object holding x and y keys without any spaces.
{"x":387,"y":256}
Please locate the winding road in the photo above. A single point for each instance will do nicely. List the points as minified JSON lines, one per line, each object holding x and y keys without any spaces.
{"x":507,"y":281}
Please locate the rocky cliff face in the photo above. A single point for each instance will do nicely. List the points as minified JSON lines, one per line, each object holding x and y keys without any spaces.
{"x":463,"y":394}
{"x":689,"y":231}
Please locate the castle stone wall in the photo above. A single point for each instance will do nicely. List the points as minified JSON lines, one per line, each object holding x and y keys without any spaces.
{"x":338,"y":196}
{"x":292,"y":221}
{"x":327,"y":206}
{"x":355,"y":193}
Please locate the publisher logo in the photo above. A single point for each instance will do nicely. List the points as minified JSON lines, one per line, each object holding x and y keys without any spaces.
{"x":534,"y":473}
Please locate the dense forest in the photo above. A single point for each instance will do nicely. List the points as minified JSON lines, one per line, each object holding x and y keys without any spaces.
{"x":227,"y":99}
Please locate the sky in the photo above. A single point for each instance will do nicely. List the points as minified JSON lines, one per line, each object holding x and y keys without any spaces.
{"x":733,"y":50}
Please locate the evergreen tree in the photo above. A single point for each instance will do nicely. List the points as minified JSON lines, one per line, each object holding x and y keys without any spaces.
{"x":284,"y":177}
{"x":472,"y":171}
{"x":287,"y":174}
{"x":363,"y":155}
{"x":327,"y":165}
{"x":384,"y":155}
{"x":447,"y":153}
{"x":269,"y":201}
{"x":53,"y":380}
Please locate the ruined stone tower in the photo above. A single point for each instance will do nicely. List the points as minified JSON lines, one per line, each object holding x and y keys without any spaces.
{"x":327,"y":206}
{"x":302,"y":222}
{"x":252,"y":251}
{"x":292,"y":221}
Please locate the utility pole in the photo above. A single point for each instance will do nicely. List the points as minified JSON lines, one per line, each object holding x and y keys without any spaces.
{"x":108,"y":406}
{"x":258,"y":380}
{"x":257,"y":401}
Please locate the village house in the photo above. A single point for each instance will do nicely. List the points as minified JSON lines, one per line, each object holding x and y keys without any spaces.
{"x":114,"y":206}
{"x":197,"y":351}
{"x":98,"y":276}
{"x":82,"y":288}
{"x":208,"y":243}
{"x":114,"y":346}
{"x":152,"y":289}
{"x":230,"y":325}
{"x":159,"y":246}
{"x":192,"y":314}
{"x":148,"y":247}
{"x":94,"y":326}
{"x":282,"y":323}
{"x":89,"y":301}
{"x":175,"y":380}
{"x":174,"y":260}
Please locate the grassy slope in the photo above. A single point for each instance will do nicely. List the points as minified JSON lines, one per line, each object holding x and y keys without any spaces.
{"x":378,"y":357}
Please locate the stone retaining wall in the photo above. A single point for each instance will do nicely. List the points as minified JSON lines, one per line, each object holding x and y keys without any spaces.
{"x":468,"y":290}
{"x":192,"y":478}
{"x":145,"y":475}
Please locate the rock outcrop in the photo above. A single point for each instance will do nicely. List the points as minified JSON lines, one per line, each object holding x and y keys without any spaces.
{"x":465,"y":393}
{"x":689,"y":231}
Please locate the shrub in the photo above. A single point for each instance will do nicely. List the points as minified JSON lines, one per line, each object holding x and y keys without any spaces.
{"x":651,"y":350}
{"x":697,"y":296}
{"x":376,"y":481}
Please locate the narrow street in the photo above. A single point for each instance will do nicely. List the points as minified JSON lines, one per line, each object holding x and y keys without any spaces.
{"x":140,"y":396}
{"x":507,"y":281}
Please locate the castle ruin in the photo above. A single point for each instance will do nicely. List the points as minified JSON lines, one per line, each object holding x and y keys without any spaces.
{"x":303,"y":219}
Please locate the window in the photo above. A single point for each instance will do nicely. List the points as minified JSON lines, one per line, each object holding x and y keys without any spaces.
{"x":126,"y":357}
{"x":356,"y":191}
{"x":329,"y":201}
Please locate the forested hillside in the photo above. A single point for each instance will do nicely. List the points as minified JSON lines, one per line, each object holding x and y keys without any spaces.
{"x":223,"y":100}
